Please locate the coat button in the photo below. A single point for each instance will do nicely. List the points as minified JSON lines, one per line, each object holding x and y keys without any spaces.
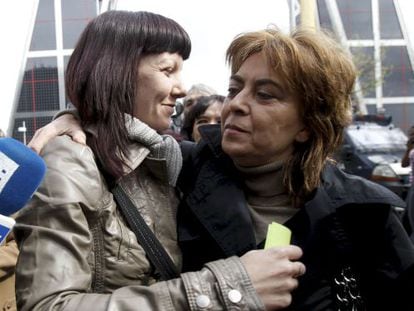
{"x":202,"y":301}
{"x":234,"y":296}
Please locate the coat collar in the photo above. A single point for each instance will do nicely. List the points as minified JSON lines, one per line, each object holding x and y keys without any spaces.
{"x":211,"y":136}
{"x":142,"y":138}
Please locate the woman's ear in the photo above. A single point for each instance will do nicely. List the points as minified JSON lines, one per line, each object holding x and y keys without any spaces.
{"x":303,"y":135}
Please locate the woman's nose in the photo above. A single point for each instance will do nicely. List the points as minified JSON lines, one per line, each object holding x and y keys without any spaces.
{"x":179,"y":89}
{"x":239,"y":103}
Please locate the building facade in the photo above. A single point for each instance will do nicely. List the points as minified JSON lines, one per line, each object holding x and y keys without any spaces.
{"x":58,"y":25}
{"x":375,"y":33}
{"x":372,"y":30}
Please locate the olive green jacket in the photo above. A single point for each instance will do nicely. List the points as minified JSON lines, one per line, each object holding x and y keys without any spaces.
{"x":78,"y":253}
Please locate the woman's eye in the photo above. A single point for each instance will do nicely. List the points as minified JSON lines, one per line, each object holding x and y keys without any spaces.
{"x":232,"y":91}
{"x":265,"y":95}
{"x":168,"y":70}
{"x":201,"y":121}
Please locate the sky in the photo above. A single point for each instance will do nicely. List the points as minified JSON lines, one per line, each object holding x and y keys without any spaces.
{"x":13,"y":32}
{"x":211,"y":25}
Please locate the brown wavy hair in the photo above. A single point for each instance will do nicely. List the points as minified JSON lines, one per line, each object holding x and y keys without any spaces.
{"x":101,"y":76}
{"x":321,"y":74}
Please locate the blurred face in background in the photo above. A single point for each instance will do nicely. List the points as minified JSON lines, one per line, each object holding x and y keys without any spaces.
{"x":212,"y":115}
{"x":190,"y":100}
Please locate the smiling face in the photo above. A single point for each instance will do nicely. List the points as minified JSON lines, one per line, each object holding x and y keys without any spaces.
{"x":260,"y":118}
{"x":159,"y":86}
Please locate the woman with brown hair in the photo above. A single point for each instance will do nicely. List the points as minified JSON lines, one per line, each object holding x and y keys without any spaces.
{"x":288,"y":102}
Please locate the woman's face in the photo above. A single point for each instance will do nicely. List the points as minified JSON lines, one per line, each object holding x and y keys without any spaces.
{"x":159,"y":86}
{"x":260,"y":119}
{"x":212,"y":115}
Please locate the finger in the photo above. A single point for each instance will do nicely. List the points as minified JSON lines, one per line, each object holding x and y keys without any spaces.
{"x":33,"y":144}
{"x":41,"y":137}
{"x":280,"y":301}
{"x":291,"y":252}
{"x":78,"y":136}
{"x":292,"y":284}
{"x":299,"y":269}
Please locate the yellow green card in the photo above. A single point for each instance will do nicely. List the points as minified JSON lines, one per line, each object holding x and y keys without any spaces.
{"x":277,"y":235}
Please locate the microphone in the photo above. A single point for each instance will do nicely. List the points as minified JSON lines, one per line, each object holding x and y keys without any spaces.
{"x":21,"y":172}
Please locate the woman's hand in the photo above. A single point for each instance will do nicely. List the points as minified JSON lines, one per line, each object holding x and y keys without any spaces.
{"x":66,"y":124}
{"x":274,"y":274}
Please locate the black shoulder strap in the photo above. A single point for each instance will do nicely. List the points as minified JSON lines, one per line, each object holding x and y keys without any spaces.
{"x":155,"y":251}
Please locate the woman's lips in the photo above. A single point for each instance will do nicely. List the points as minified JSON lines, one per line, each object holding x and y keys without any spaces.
{"x":232,"y":128}
{"x":169,"y":108}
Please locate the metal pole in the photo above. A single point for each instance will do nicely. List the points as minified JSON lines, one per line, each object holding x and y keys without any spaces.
{"x":294,"y":11}
{"x":23,"y":130}
{"x":307,"y":14}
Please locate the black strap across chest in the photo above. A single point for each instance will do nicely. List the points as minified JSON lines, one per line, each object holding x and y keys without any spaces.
{"x":156,"y":253}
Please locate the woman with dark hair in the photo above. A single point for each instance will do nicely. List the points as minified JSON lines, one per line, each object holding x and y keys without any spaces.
{"x":207,"y":110}
{"x":77,"y":249}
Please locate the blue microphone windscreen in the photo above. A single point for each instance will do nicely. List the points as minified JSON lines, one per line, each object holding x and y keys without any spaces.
{"x":21,"y":172}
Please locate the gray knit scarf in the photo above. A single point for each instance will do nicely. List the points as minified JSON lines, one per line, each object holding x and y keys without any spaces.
{"x":162,"y":147}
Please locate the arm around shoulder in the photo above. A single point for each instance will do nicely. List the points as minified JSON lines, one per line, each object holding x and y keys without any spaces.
{"x":58,"y":268}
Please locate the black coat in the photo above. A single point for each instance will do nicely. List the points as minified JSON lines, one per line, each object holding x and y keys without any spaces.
{"x":348,"y":222}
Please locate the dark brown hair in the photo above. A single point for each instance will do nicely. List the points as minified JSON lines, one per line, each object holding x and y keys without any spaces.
{"x":321,"y":74}
{"x":101,"y":76}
